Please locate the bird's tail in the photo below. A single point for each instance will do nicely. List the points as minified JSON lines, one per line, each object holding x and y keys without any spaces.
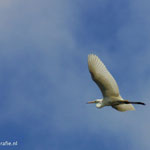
{"x":125,"y":105}
{"x":127,"y":102}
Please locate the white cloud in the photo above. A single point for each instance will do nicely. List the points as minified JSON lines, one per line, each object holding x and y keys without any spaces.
{"x":39,"y":46}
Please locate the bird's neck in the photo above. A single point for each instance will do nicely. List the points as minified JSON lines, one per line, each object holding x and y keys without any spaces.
{"x":99,"y":104}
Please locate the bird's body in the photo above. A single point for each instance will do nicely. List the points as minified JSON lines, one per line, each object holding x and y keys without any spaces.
{"x":108,"y":86}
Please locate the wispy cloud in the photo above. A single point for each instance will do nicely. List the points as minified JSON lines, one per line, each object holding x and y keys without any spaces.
{"x":45,"y":81}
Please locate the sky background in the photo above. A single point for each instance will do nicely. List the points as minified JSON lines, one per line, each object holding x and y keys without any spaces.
{"x":44,"y":77}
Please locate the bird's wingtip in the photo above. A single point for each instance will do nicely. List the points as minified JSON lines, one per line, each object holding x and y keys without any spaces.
{"x":91,"y":54}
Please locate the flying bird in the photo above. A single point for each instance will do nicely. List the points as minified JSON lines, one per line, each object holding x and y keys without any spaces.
{"x":108,"y":86}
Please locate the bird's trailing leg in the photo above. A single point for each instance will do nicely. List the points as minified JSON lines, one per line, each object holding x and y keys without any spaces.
{"x":127,"y":102}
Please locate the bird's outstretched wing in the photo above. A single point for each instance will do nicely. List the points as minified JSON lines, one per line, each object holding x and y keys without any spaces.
{"x":102,"y":77}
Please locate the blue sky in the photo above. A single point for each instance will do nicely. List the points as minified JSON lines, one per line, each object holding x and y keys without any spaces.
{"x":45,"y":82}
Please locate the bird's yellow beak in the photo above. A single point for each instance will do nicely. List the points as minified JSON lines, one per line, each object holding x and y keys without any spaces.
{"x":91,"y":102}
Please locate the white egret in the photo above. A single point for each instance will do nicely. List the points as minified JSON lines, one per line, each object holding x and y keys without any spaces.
{"x":108,"y":87}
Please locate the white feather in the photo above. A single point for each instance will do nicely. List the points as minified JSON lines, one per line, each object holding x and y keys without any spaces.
{"x":102,"y":77}
{"x":124,"y":107}
{"x":106,"y":83}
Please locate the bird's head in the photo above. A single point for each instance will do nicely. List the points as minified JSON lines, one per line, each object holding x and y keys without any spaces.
{"x":98,"y":103}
